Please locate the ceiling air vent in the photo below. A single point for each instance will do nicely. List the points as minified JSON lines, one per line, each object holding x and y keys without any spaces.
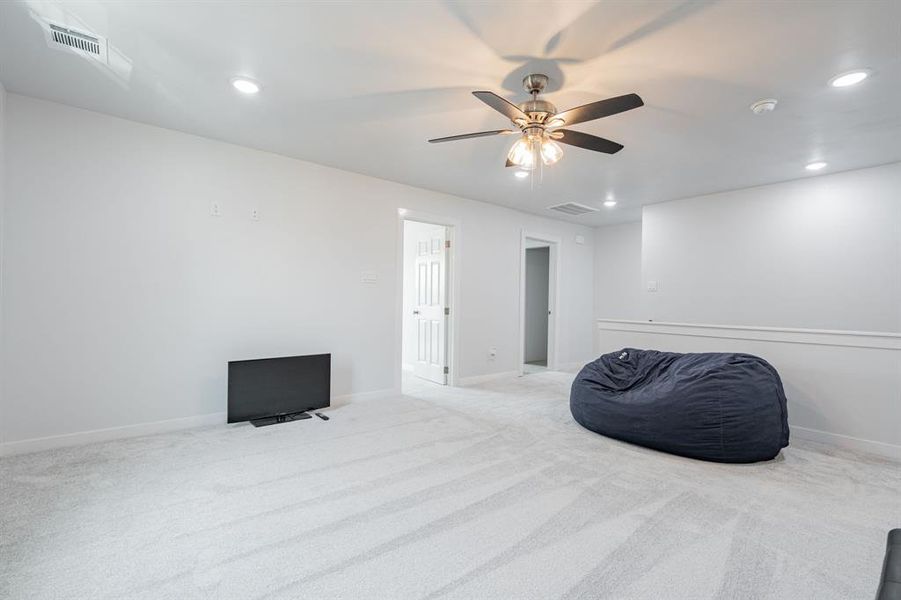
{"x":75,"y":39}
{"x":573,"y":208}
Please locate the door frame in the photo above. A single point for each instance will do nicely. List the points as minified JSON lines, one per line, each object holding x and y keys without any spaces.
{"x":553,"y":323}
{"x":453,"y":297}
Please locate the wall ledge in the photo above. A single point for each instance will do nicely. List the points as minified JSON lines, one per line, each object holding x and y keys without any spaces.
{"x":882,"y":340}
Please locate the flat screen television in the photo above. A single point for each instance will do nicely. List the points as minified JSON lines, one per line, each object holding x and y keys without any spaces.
{"x":273,"y":390}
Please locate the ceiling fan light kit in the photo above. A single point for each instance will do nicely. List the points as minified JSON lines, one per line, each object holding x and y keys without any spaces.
{"x":541,"y":126}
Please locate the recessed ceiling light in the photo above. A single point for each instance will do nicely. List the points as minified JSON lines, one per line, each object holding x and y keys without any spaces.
{"x":849,"y":78}
{"x":609,"y":203}
{"x":521,"y":174}
{"x":764,"y":106}
{"x":245,"y":85}
{"x":816,"y":166}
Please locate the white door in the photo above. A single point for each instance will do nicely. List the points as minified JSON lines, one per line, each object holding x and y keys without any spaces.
{"x":430,"y":305}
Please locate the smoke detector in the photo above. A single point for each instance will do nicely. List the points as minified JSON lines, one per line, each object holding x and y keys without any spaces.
{"x":764,"y":106}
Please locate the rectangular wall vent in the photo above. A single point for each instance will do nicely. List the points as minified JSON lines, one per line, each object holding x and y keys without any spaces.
{"x":75,"y":39}
{"x":573,"y":208}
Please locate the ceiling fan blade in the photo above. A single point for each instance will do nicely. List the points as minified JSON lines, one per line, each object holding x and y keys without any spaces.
{"x":588,"y":141}
{"x":506,"y":108}
{"x":466,"y":136}
{"x":601,"y":108}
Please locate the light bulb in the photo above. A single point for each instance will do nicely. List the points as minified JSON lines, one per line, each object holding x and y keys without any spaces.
{"x":551,"y":152}
{"x":846,"y":79}
{"x":245,"y":85}
{"x":522,"y":155}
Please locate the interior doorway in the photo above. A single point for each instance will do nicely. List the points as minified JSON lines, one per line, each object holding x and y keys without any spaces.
{"x":426,"y":337}
{"x":538,"y":304}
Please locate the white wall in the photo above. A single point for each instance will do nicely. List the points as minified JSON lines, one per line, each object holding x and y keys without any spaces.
{"x":123,"y":298}
{"x":536,"y":303}
{"x":770,"y":268}
{"x":821,"y":253}
{"x":617,"y":259}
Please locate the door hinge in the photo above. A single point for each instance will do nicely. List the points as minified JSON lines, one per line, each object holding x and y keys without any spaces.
{"x":447,"y":243}
{"x":446,"y":310}
{"x":446,"y":370}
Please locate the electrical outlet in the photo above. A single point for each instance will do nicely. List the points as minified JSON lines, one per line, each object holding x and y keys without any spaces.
{"x":652,"y":286}
{"x":215,"y":209}
{"x":255,"y":214}
{"x":492,"y":353}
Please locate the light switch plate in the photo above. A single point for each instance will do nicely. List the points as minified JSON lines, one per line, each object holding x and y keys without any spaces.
{"x":580,"y":239}
{"x":369,"y":277}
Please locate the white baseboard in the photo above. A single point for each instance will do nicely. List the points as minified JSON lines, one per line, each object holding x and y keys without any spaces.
{"x":110,"y":433}
{"x":574,"y":366}
{"x":838,"y":440}
{"x":363,"y":396}
{"x":477,"y":379}
{"x":127,"y":431}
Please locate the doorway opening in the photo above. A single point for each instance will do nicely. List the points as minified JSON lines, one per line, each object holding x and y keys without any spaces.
{"x":538,"y":304}
{"x":427,"y":298}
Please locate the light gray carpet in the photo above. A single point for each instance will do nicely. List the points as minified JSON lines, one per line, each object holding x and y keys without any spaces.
{"x":485,"y":492}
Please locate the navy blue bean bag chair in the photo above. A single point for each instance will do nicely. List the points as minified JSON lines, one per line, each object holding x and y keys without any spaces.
{"x":714,"y":406}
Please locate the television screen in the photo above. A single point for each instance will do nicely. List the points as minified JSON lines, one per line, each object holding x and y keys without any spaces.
{"x":273,"y":387}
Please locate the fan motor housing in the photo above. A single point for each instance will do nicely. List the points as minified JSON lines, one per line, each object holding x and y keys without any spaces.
{"x":538,"y":111}
{"x":535,"y":83}
{"x":541,"y":108}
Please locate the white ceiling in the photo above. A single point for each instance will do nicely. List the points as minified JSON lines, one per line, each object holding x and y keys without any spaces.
{"x":362,"y":85}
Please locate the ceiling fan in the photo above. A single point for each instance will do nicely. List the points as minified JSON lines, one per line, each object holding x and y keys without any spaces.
{"x":541,"y":126}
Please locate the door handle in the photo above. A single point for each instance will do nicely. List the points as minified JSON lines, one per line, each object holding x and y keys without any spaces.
{"x":415,"y":312}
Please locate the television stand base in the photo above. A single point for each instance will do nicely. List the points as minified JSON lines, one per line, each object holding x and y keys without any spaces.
{"x":280,"y":419}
